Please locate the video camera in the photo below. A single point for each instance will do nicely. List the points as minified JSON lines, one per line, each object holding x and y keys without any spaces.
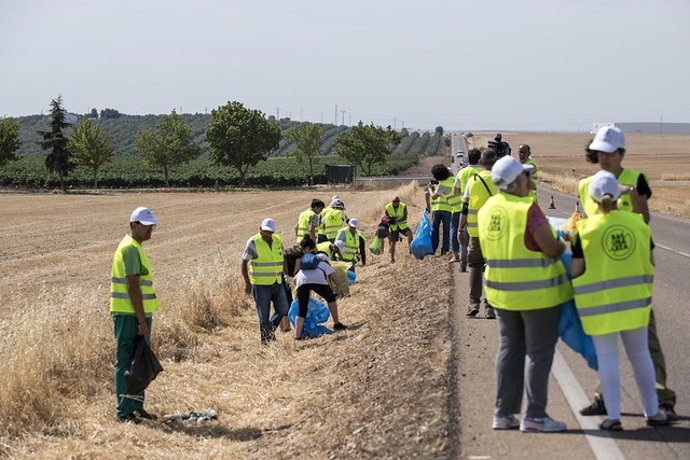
{"x":501,"y":147}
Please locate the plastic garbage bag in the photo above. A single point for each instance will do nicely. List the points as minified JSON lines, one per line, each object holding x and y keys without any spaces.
{"x":341,"y":269}
{"x":351,"y":277}
{"x":317,"y":312}
{"x":375,"y":246}
{"x":421,"y":244}
{"x":570,"y":327}
{"x":143,"y":368}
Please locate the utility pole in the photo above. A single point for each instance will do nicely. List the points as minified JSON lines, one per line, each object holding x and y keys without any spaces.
{"x":343,"y":113}
{"x":395,"y":124}
{"x":278,"y":113}
{"x":335,"y":120}
{"x":349,"y":118}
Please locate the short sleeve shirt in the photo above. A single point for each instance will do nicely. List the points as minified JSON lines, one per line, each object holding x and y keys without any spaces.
{"x":132,"y":262}
{"x":318,"y":275}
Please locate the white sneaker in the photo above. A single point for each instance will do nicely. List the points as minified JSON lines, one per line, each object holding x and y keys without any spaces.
{"x":505,"y":422}
{"x":542,"y":425}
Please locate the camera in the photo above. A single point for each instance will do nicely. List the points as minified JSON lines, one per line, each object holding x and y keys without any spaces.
{"x":501,"y":147}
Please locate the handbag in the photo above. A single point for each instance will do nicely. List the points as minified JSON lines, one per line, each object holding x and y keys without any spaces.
{"x":143,"y":368}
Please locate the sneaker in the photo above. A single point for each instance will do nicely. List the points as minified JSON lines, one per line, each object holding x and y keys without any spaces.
{"x":473,"y":310}
{"x":505,"y":422}
{"x":490,"y":313}
{"x":128,"y":418}
{"x":145,"y":415}
{"x":669,"y":411}
{"x":339,"y":327}
{"x":596,"y":408}
{"x":541,"y":425}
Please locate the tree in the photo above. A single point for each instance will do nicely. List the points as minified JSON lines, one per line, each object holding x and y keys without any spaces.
{"x":439,"y":130}
{"x":9,"y":140}
{"x":90,"y":147}
{"x":366,"y":145}
{"x":307,"y":138}
{"x":239,"y":137}
{"x":169,"y":145}
{"x":110,"y":113}
{"x":58,"y":159}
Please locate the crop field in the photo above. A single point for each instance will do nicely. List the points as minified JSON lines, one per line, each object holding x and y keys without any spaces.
{"x":338,"y":395}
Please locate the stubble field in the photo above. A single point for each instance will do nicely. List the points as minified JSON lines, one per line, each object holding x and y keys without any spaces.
{"x":352,"y":394}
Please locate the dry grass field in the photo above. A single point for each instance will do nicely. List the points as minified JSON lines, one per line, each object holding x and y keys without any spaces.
{"x":376,"y":390}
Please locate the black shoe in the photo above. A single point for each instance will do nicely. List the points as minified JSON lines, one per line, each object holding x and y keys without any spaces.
{"x":145,"y":415}
{"x":463,"y":268}
{"x":669,"y":411}
{"x":596,"y":408}
{"x":473,"y":311}
{"x":128,"y":418}
{"x":339,"y":327}
{"x":490,"y":313}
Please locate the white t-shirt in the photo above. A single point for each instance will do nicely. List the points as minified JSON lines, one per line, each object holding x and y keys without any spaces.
{"x":318,"y":275}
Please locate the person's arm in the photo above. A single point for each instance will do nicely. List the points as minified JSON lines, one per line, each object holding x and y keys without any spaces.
{"x":298,"y":266}
{"x":548,"y":244}
{"x":640,"y":205}
{"x":134,"y":290}
{"x":297,"y":229}
{"x":427,"y":198}
{"x":245,"y":275}
{"x":362,"y":250}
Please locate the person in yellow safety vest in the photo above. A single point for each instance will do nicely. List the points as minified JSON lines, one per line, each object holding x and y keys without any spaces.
{"x":132,"y":304}
{"x":332,"y":221}
{"x":613,"y":273}
{"x":608,"y":149}
{"x":308,"y":221}
{"x":350,"y":242}
{"x":327,"y":248}
{"x":478,"y":190}
{"x":263,"y":266}
{"x":438,"y":191}
{"x":525,"y":283}
{"x":525,"y":152}
{"x":461,"y":180}
{"x":396,"y":212}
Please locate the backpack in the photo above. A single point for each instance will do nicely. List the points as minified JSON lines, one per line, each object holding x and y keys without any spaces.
{"x":310,"y":261}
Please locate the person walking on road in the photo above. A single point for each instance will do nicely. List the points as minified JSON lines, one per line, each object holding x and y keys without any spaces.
{"x":526,"y":283}
{"x":607,"y":149}
{"x":612,"y":273}
{"x":396,"y":212}
{"x":461,"y":180}
{"x":308,"y":221}
{"x":132,"y":304}
{"x":263,"y":266}
{"x":478,"y":190}
{"x":438,"y":191}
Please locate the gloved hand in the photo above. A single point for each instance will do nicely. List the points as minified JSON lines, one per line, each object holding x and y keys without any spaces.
{"x":427,"y":210}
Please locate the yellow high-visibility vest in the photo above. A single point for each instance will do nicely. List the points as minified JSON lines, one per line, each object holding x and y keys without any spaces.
{"x":454,"y":200}
{"x":331,"y":222}
{"x":304,"y":224}
{"x":517,"y":278}
{"x":615,"y":291}
{"x":481,"y":189}
{"x":397,"y":214}
{"x":267,"y":268}
{"x":464,"y":176}
{"x":119,"y":295}
{"x":626,"y":177}
{"x":351,"y":244}
{"x":325,"y":247}
{"x":534,"y":175}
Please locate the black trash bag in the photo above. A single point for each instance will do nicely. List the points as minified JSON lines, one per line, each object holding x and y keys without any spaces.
{"x":143,"y":368}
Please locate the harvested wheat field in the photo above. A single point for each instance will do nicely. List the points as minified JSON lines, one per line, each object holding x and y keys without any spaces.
{"x":665,"y":160}
{"x":376,"y":390}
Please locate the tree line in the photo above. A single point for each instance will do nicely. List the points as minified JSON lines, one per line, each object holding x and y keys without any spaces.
{"x":236,"y":137}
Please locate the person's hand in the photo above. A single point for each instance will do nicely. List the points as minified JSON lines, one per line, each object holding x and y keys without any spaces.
{"x":247,"y":289}
{"x":427,"y":210}
{"x":142,"y":329}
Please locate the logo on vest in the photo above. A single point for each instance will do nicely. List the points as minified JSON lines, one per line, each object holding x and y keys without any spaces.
{"x":618,"y":243}
{"x":498,"y":224}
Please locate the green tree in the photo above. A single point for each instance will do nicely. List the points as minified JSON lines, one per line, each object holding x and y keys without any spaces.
{"x":90,"y":147}
{"x":239,"y":137}
{"x":307,"y":138}
{"x":58,"y":159}
{"x":167,"y":146}
{"x":9,"y":140}
{"x":366,"y":145}
{"x":439,"y":130}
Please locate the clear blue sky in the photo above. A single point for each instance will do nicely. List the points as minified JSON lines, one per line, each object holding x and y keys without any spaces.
{"x":483,"y":64}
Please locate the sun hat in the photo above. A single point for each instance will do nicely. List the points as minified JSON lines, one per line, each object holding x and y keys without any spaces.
{"x":268,"y":225}
{"x":352,"y":223}
{"x":143,"y":215}
{"x":608,"y":139}
{"x":604,"y":183}
{"x":506,"y":170}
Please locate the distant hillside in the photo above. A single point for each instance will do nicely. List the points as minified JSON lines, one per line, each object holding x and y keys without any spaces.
{"x":122,"y":130}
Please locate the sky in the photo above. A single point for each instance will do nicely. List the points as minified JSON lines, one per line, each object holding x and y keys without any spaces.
{"x":540,"y":65}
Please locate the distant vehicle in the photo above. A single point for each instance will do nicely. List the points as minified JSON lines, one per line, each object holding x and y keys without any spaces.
{"x":459,"y":146}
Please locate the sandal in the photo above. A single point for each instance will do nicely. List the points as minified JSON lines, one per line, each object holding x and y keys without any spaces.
{"x":611,"y":425}
{"x":656,"y":421}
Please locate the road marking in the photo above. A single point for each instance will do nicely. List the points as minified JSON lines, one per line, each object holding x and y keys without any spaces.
{"x":680,"y":253}
{"x":603,"y":446}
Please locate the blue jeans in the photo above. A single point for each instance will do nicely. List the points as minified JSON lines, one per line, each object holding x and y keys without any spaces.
{"x":439,"y":217}
{"x":263,"y":296}
{"x":454,"y":227}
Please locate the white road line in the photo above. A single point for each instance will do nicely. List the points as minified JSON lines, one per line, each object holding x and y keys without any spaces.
{"x":603,"y":446}
{"x":680,"y":253}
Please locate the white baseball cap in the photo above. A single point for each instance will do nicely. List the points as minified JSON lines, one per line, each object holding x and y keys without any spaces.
{"x":335,"y":198}
{"x":604,"y":183}
{"x":340,"y":244}
{"x":143,"y":215}
{"x":353,"y":223}
{"x":506,"y":170}
{"x":268,"y":225}
{"x":608,"y":139}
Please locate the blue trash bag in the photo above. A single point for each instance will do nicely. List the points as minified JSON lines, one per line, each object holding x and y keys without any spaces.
{"x":351,"y":277}
{"x":421,"y":244}
{"x":317,"y":312}
{"x":570,"y":327}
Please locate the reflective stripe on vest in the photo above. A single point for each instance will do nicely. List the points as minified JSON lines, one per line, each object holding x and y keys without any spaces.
{"x":119,"y":293}
{"x":615,"y":291}
{"x":267,"y":268}
{"x":478,"y":196}
{"x":351,"y":244}
{"x":397,"y":214}
{"x":517,"y":278}
{"x":628,"y":177}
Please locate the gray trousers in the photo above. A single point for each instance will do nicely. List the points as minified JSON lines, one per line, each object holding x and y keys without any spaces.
{"x":475,"y":260}
{"x":532,"y":335}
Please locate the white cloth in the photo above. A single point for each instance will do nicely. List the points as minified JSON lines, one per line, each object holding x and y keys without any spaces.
{"x":318,"y":275}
